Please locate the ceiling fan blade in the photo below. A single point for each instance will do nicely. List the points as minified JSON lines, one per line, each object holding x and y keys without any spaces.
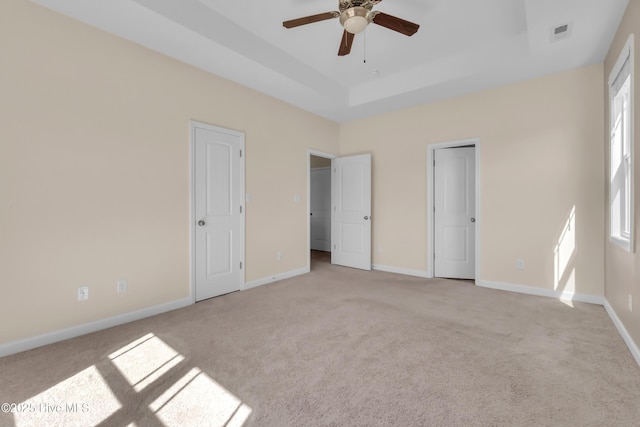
{"x":396,"y":24}
{"x":310,"y":19}
{"x":345,"y":44}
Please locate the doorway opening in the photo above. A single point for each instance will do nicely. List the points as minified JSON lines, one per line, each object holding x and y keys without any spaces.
{"x":453,"y":201}
{"x":319,"y":206}
{"x":343,"y":225}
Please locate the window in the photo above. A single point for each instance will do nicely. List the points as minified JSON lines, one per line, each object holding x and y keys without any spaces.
{"x":621,"y":150}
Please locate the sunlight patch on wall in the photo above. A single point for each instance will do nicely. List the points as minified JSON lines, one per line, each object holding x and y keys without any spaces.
{"x":209,"y":403}
{"x":570,"y":289}
{"x":83,"y":399}
{"x":563,"y":255}
{"x":145,"y":360}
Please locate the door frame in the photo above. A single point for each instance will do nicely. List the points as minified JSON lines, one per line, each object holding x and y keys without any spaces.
{"x":193,"y":124}
{"x":430,"y":195}
{"x":310,"y":153}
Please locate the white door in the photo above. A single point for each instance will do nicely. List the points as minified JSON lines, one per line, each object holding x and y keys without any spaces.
{"x":454,"y":217}
{"x":351,"y":216}
{"x":218,"y":211}
{"x":320,"y":187}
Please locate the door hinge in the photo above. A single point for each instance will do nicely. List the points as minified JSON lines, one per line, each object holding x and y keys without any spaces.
{"x":240,"y":153}
{"x":240,"y":265}
{"x":240,"y":208}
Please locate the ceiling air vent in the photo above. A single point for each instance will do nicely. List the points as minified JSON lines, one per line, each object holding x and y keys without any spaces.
{"x":561,"y":29}
{"x":561,"y":32}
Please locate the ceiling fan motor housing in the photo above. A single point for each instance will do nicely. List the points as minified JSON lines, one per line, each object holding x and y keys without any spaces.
{"x":355,"y":19}
{"x":348,"y":4}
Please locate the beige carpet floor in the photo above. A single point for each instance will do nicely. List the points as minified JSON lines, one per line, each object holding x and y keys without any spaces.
{"x":338,"y":347}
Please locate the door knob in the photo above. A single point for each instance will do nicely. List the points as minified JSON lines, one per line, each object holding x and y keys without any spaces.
{"x":366,"y":218}
{"x":473,"y":220}
{"x":201,"y":223}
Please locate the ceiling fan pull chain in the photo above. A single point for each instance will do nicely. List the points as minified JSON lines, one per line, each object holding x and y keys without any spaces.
{"x":364,"y":41}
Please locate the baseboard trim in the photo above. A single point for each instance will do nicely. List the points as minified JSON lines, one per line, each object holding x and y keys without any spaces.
{"x":542,"y":292}
{"x":405,"y":271}
{"x":633,"y":347}
{"x":87,"y":328}
{"x":266,"y":280}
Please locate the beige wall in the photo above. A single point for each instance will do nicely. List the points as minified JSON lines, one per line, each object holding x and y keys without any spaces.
{"x":623,"y":268}
{"x":540,"y":156}
{"x":94,"y":171}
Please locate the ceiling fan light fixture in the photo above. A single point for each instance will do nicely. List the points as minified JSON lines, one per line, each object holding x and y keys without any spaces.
{"x":355,"y":19}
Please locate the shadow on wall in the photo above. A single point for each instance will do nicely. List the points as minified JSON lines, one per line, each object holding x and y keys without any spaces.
{"x":116,"y":391}
{"x":564,"y":253}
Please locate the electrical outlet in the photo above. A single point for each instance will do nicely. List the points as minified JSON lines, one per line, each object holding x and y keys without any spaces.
{"x":520,"y":264}
{"x":630,"y":302}
{"x":279,"y":255}
{"x":83,"y":293}
{"x":122,"y":285}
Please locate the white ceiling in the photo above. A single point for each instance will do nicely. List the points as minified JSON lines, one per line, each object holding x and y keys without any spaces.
{"x":461,"y":46}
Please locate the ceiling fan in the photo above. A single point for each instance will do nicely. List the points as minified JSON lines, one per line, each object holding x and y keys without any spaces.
{"x":354,"y":16}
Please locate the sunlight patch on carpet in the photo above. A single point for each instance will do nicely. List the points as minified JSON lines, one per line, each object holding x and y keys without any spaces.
{"x":83,"y":399}
{"x":145,"y":360}
{"x":196,"y":399}
{"x":90,"y":398}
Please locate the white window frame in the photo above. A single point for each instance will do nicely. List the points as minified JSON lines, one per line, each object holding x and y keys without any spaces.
{"x":621,"y":148}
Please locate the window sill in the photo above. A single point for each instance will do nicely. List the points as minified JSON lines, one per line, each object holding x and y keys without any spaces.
{"x":620,"y":242}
